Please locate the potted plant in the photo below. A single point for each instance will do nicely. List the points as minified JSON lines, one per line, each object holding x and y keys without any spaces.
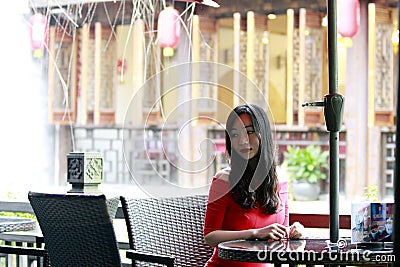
{"x":305,"y":167}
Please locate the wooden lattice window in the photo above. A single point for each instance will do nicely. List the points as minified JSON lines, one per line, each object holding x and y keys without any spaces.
{"x":62,"y":79}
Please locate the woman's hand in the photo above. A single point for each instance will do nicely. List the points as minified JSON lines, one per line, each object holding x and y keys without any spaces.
{"x":275,"y":231}
{"x":296,"y":231}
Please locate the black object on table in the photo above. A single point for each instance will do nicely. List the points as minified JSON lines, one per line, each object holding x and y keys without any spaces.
{"x":306,"y":251}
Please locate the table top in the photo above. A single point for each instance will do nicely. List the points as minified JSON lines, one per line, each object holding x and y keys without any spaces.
{"x":305,"y":251}
{"x":16,"y":224}
{"x":30,"y":236}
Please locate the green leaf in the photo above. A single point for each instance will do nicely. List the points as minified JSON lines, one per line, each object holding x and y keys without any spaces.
{"x":306,"y":163}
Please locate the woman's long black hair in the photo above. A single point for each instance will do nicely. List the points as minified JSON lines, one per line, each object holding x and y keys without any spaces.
{"x":254,"y":182}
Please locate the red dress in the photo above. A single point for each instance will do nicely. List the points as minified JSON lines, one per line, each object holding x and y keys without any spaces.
{"x":223,"y":213}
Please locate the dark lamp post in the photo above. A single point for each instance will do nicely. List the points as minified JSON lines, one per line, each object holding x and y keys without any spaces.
{"x":333,"y":111}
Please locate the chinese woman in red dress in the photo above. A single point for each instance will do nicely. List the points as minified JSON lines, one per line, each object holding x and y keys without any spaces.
{"x":246,"y":200}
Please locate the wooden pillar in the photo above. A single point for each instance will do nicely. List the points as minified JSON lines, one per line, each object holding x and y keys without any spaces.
{"x":250,"y":58}
{"x":97,"y":72}
{"x":236,"y":57}
{"x":373,"y":131}
{"x":138,"y":70}
{"x":196,"y":38}
{"x":52,"y":40}
{"x":356,"y":109}
{"x":289,"y":67}
{"x":195,"y":71}
{"x":302,"y":65}
{"x":84,"y":73}
{"x":195,"y":95}
{"x":74,"y":74}
{"x":371,"y":64}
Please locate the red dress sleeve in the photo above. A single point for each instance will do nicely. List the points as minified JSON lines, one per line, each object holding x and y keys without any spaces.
{"x":218,"y":200}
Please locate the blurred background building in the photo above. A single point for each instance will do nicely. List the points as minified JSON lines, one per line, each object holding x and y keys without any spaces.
{"x":107,"y":80}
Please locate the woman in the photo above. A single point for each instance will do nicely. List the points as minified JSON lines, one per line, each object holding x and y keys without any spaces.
{"x":246,"y":201}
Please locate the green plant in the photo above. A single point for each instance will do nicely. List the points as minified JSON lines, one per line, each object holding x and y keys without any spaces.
{"x":306,"y":163}
{"x":371,"y":193}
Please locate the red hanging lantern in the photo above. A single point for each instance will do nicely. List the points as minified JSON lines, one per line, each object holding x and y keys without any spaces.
{"x":38,"y":33}
{"x":348,"y":17}
{"x":168,"y":30}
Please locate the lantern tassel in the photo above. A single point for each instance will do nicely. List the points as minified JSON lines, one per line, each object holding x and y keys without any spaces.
{"x":38,"y":53}
{"x":168,"y":52}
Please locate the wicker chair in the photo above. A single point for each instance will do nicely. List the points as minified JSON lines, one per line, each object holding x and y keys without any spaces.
{"x":77,"y":229}
{"x":172,"y":227}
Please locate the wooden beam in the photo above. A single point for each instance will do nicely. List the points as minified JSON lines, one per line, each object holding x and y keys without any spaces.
{"x":319,"y":220}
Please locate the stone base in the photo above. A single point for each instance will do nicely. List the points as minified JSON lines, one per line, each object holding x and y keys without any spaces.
{"x":87,"y":189}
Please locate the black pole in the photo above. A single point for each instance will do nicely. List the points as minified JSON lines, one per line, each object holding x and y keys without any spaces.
{"x":333,"y":135}
{"x":333,"y":103}
{"x":396,"y":231}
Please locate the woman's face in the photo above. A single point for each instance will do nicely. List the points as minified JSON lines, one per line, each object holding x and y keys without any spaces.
{"x":244,"y":139}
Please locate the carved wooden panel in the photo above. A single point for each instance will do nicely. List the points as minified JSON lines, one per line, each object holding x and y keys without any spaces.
{"x":313,"y":71}
{"x":151,"y":96}
{"x":313,"y":65}
{"x":62,"y":86}
{"x":90,"y":76}
{"x":260,"y":66}
{"x":296,"y":69}
{"x":383,"y":68}
{"x":383,"y":99}
{"x":108,"y":71}
{"x":62,"y":82}
{"x":243,"y":63}
{"x":107,"y":76}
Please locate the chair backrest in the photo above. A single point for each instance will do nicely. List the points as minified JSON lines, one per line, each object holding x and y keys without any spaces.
{"x":77,"y":229}
{"x":168,"y":226}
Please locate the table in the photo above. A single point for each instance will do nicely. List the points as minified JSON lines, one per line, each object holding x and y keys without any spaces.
{"x":16,"y":224}
{"x":306,"y":251}
{"x":16,"y":231}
